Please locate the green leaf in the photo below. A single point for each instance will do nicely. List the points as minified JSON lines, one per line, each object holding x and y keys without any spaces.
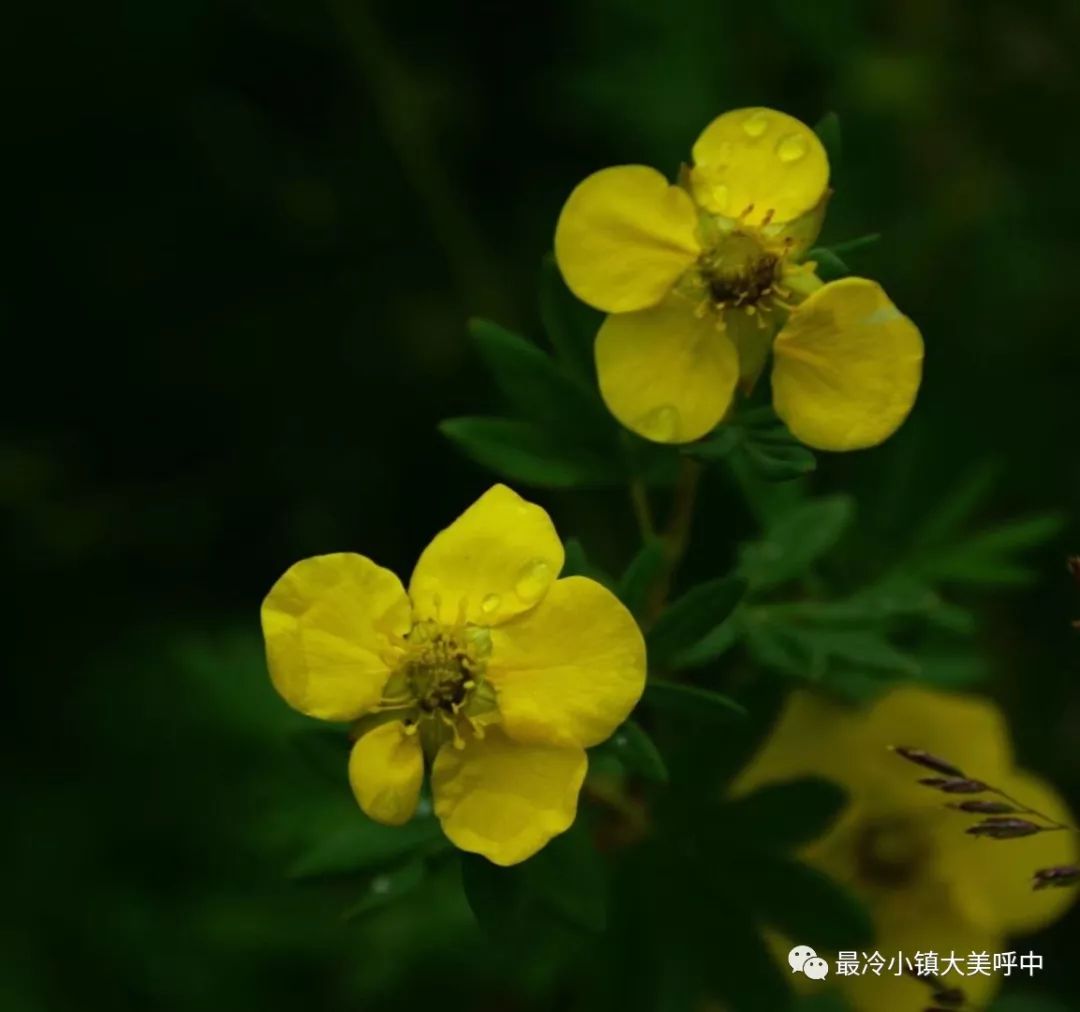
{"x":637,"y":752}
{"x":779,"y":461}
{"x":566,"y":880}
{"x":540,"y":390}
{"x":788,"y":814}
{"x":718,"y":446}
{"x":796,"y":540}
{"x":361,"y":845}
{"x":829,"y":265}
{"x":523,"y":452}
{"x":700,"y":610}
{"x":828,"y":131}
{"x":952,"y":670}
{"x":858,"y":243}
{"x":846,"y":659}
{"x":691,"y":701}
{"x":987,"y":559}
{"x":643,"y":569}
{"x":957,"y":506}
{"x":763,"y":440}
{"x":577,"y":563}
{"x":571,"y":326}
{"x":804,"y":903}
{"x":711,"y":646}
{"x":388,"y":887}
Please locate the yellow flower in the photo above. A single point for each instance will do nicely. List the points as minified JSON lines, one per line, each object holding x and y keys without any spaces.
{"x":702,"y":279}
{"x":928,"y":884}
{"x":491,"y":670}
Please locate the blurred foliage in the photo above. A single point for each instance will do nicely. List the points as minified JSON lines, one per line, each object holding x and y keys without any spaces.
{"x":242,"y":238}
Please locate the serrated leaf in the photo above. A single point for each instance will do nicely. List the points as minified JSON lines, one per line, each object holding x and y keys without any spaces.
{"x":788,"y":814}
{"x":634,"y":586}
{"x":540,"y":390}
{"x":524,"y":452}
{"x":637,"y":752}
{"x":570,"y":325}
{"x":692,"y":701}
{"x":796,"y":540}
{"x":685,"y":621}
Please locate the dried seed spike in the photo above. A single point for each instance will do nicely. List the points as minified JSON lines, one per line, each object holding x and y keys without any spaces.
{"x":930,"y":762}
{"x":1056,"y":878}
{"x":1073,"y":562}
{"x":951,"y":996}
{"x":954,"y":785}
{"x":982,"y":807}
{"x":1004,"y":828}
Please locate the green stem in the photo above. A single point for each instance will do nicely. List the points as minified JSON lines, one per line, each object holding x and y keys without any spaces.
{"x":639,"y":499}
{"x":676,"y":536}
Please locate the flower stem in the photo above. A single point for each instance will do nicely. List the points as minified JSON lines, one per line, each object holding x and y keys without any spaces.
{"x":676,"y":536}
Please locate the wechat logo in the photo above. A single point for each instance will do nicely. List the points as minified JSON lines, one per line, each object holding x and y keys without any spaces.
{"x":803,"y":959}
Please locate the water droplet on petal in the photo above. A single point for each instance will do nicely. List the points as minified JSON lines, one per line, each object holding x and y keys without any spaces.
{"x":721,"y":194}
{"x":661,"y":424}
{"x":490,"y":603}
{"x":791,"y":148}
{"x":756,"y":124}
{"x":533,"y":580}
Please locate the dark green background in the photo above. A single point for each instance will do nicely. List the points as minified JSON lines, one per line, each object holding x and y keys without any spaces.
{"x":242,"y":243}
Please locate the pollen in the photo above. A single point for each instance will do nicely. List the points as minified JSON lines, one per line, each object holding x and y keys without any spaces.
{"x":438,"y":689}
{"x":740,"y":271}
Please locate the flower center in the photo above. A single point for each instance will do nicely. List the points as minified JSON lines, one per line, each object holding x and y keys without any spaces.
{"x":438,"y":687}
{"x":738,"y":272}
{"x":890,"y":852}
{"x":442,"y":667}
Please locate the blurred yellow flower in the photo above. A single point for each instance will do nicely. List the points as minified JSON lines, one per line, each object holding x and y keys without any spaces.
{"x":702,"y":279}
{"x":930,"y":886}
{"x":491,"y":670}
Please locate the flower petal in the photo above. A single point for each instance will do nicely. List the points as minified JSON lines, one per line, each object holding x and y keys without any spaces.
{"x":386,"y":769}
{"x":495,"y":561}
{"x":624,"y":235}
{"x":570,"y":671}
{"x":848,"y":366}
{"x":505,"y":800}
{"x":329,"y":623}
{"x":664,"y":372}
{"x":760,"y":159}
